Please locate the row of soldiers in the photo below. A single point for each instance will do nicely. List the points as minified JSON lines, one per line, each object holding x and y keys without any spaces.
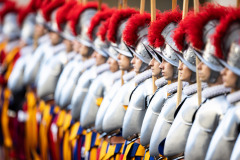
{"x":78,"y":82}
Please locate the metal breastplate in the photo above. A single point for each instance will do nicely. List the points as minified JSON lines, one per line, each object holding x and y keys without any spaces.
{"x":48,"y":77}
{"x":235,"y":153}
{"x":177,"y":136}
{"x":63,"y":79}
{"x":89,"y":108}
{"x":105,"y":104}
{"x":70,"y":85}
{"x":151,"y":115}
{"x":225,"y":136}
{"x":205,"y":124}
{"x":163,"y":124}
{"x":133,"y":118}
{"x":15,"y":81}
{"x":113,"y":120}
{"x":81,"y":91}
{"x":33,"y":66}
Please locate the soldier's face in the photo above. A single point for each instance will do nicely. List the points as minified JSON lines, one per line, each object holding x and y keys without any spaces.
{"x":154,"y":64}
{"x":185,"y":72}
{"x":83,"y":50}
{"x":229,"y":78}
{"x":167,"y":70}
{"x":124,"y":62}
{"x":100,"y":59}
{"x":68,"y":44}
{"x":76,"y":46}
{"x":113,"y":64}
{"x":39,"y":30}
{"x":137,"y":63}
{"x":204,"y":72}
{"x":54,"y":38}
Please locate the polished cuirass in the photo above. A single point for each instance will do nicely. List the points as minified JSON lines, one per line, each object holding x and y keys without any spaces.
{"x":176,"y":141}
{"x":206,"y":121}
{"x":116,"y":84}
{"x":32,"y":66}
{"x":64,"y":77}
{"x":165,"y":119}
{"x":113,"y":120}
{"x":236,"y":150}
{"x":71,"y":83}
{"x":50,"y":71}
{"x":81,"y":91}
{"x":15,"y":81}
{"x":138,"y":104}
{"x":154,"y":108}
{"x":227,"y":132}
{"x":96,"y":92}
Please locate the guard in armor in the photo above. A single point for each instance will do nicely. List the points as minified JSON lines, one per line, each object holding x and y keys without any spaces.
{"x":157,"y":100}
{"x":227,"y":50}
{"x":9,"y":55}
{"x":166,"y":48}
{"x":113,"y":120}
{"x":135,"y":37}
{"x":214,"y":105}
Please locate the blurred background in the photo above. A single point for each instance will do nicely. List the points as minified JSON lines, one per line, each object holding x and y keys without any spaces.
{"x":161,"y":4}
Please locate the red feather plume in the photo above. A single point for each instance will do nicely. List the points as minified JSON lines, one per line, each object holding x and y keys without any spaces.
{"x":130,"y":32}
{"x":49,"y":8}
{"x":196,"y":25}
{"x":74,"y":15}
{"x":116,"y":19}
{"x":9,"y":6}
{"x":180,"y":34}
{"x":233,"y":16}
{"x":154,"y":34}
{"x":102,"y":31}
{"x":97,"y":18}
{"x":32,"y":7}
{"x":62,"y":13}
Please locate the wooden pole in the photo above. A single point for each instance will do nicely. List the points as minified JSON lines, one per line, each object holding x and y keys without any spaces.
{"x":124,"y":5}
{"x":199,"y":87}
{"x":179,"y":90}
{"x":174,"y":4}
{"x":99,"y":4}
{"x":142,"y":6}
{"x":84,"y":2}
{"x":153,"y":18}
{"x":238,"y":3}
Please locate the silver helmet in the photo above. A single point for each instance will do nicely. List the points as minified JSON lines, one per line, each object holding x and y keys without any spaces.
{"x":11,"y":29}
{"x":120,"y":46}
{"x":101,"y":47}
{"x":207,"y":56}
{"x":67,"y":33}
{"x":40,"y":19}
{"x":188,"y":58}
{"x":28,"y":29}
{"x":83,"y":23}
